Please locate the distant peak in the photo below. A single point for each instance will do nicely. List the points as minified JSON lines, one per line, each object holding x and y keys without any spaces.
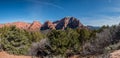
{"x":48,"y":25}
{"x":48,"y":21}
{"x":69,"y":17}
{"x":66,"y":22}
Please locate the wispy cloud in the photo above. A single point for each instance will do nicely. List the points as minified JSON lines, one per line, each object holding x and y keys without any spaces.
{"x":103,"y":20}
{"x":38,"y":8}
{"x":45,"y":2}
{"x":115,"y":9}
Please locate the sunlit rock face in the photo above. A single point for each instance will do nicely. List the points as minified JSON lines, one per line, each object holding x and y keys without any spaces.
{"x":35,"y":25}
{"x":66,"y":22}
{"x":24,"y":25}
{"x":48,"y":25}
{"x":70,"y":22}
{"x":21,"y":25}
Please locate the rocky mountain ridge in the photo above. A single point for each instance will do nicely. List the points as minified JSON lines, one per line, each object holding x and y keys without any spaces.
{"x":70,"y":22}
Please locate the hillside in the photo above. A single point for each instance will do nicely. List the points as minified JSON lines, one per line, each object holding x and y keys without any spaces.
{"x":64,"y":38}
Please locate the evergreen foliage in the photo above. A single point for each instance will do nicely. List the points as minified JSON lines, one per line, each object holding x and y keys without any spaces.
{"x":17,"y":41}
{"x":59,"y":42}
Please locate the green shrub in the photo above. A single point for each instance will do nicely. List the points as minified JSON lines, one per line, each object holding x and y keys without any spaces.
{"x":61,"y":41}
{"x":18,"y":41}
{"x":15,"y":41}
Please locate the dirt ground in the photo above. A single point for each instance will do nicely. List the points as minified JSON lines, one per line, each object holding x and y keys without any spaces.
{"x":6,"y":55}
{"x":115,"y":54}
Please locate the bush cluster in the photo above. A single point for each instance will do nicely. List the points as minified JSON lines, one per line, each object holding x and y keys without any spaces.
{"x":17,"y":41}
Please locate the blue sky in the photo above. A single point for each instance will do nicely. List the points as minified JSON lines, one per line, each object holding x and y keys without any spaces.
{"x":89,"y":12}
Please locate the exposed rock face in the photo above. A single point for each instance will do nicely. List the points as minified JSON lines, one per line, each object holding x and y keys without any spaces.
{"x":1,"y":25}
{"x":23,"y":25}
{"x":62,"y":24}
{"x":70,"y":22}
{"x":35,"y":26}
{"x":48,"y":25}
{"x":74,"y":23}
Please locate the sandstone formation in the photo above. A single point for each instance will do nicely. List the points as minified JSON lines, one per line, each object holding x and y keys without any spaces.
{"x":66,"y":22}
{"x":48,"y":25}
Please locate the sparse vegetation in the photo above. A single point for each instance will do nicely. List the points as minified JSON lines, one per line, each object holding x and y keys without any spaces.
{"x":60,"y":42}
{"x":109,"y":38}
